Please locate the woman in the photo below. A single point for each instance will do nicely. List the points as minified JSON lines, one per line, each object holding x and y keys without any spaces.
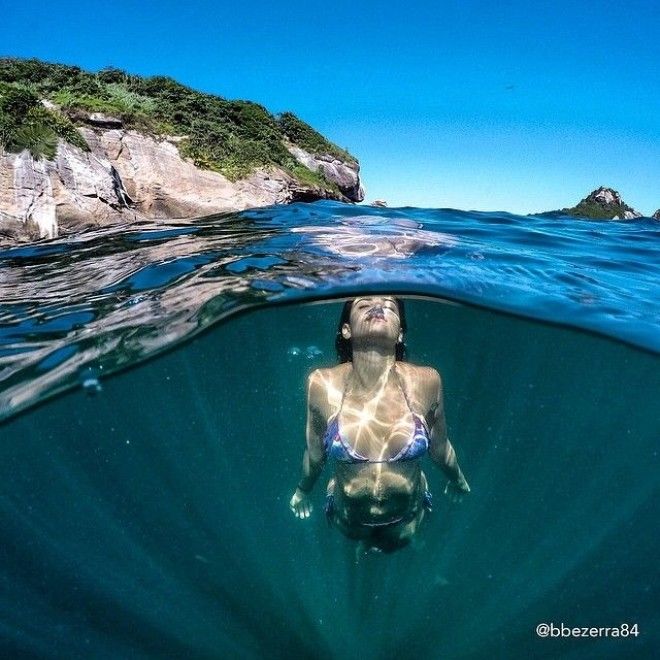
{"x":376,"y":415}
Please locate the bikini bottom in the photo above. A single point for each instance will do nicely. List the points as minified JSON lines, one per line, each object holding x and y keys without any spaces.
{"x":427,"y":503}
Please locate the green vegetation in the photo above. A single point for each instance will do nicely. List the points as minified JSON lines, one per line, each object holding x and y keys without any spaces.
{"x":314,"y":179}
{"x":231,"y":137}
{"x":306,"y":137}
{"x":598,"y":211}
{"x":25,"y":123}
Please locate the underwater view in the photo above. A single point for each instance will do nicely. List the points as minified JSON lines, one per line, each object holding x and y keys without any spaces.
{"x":154,"y":403}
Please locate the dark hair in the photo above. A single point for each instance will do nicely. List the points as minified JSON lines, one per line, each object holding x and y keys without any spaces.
{"x":344,"y":347}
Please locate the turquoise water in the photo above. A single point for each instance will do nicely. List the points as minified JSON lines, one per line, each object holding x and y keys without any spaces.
{"x":146,"y":467}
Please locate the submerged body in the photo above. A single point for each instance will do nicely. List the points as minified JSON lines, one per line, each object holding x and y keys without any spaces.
{"x":376,"y":416}
{"x":378,"y":487}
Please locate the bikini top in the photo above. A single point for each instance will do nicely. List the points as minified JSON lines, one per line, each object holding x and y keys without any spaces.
{"x":336,"y":445}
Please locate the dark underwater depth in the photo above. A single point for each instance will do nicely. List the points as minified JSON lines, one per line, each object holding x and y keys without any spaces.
{"x":152,"y":398}
{"x":152,"y":519}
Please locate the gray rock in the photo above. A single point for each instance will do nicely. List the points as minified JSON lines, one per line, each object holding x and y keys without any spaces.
{"x":103,"y":121}
{"x":656,"y":215}
{"x":127,"y":176}
{"x":27,"y":195}
{"x":605,"y":196}
{"x":346,"y":175}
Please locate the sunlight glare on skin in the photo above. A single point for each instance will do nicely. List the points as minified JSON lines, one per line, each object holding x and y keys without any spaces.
{"x":334,"y":393}
{"x":365,"y":429}
{"x":365,"y":416}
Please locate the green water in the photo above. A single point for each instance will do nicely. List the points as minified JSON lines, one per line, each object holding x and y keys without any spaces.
{"x":152,"y":520}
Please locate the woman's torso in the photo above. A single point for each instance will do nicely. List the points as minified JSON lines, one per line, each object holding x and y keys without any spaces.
{"x":390,"y":424}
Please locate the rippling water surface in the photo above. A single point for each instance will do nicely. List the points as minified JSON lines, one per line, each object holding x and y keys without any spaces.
{"x":145,"y":510}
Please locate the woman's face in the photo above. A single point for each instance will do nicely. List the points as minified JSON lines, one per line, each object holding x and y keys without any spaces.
{"x":374,"y":316}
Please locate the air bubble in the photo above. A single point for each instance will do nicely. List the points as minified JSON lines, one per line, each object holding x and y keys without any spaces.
{"x":89,"y":379}
{"x":312,"y":352}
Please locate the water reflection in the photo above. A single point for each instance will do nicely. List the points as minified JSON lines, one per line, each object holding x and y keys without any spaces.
{"x":107,"y":299}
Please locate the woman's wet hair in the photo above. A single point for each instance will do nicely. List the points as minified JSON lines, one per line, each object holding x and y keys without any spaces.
{"x":344,"y":347}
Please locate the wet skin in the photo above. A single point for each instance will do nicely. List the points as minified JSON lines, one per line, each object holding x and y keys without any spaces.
{"x":377,"y":423}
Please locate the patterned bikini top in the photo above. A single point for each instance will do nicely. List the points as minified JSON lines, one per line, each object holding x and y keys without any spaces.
{"x":338,"y":447}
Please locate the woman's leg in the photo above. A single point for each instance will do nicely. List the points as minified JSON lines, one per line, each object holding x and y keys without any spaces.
{"x":330,"y":501}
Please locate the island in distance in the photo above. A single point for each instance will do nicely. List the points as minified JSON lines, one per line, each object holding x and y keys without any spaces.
{"x":601,"y":204}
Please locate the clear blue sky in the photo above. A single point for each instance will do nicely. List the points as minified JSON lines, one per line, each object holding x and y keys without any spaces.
{"x":473,"y":104}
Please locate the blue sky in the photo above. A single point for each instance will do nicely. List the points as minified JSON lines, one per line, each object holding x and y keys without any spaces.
{"x":471,"y":104}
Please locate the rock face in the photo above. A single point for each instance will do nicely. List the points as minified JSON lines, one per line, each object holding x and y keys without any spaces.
{"x":345,"y":175}
{"x":128,"y":176}
{"x":603,"y":203}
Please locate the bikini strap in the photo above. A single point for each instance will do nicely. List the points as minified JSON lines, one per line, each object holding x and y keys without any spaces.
{"x":416,"y":416}
{"x":343,"y":394}
{"x":341,"y":404}
{"x":403,"y":389}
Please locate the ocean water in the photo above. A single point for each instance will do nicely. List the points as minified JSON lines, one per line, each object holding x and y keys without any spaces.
{"x":152,"y":391}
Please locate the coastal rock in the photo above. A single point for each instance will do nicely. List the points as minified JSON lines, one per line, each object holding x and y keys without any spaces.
{"x":103,"y":121}
{"x":601,"y":204}
{"x":656,"y":215}
{"x":605,"y":196}
{"x":26,"y":197}
{"x":163,"y":185}
{"x":41,"y":198}
{"x":346,"y":175}
{"x":127,"y":176}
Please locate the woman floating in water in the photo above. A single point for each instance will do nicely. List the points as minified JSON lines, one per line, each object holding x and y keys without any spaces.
{"x":377,"y":416}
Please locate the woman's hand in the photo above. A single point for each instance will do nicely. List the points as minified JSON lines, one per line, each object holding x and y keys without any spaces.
{"x":301,"y":504}
{"x":455,"y":490}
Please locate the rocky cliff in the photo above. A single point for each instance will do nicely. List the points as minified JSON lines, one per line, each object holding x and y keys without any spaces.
{"x":127,"y":176}
{"x":604,"y":204}
{"x":64,"y":167}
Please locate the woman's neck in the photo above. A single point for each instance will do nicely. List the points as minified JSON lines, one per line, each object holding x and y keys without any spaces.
{"x":371,"y":369}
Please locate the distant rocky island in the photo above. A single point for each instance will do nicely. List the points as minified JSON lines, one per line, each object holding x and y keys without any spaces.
{"x":601,"y":204}
{"x":80,"y":150}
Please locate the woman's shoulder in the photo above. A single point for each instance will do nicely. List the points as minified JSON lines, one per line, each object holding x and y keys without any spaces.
{"x":319,"y":380}
{"x":330,"y":373}
{"x":324,"y":384}
{"x":421,"y":382}
{"x":419,"y":373}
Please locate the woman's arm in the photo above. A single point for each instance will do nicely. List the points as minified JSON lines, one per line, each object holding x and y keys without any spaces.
{"x":314,"y":456}
{"x":441,"y":450}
